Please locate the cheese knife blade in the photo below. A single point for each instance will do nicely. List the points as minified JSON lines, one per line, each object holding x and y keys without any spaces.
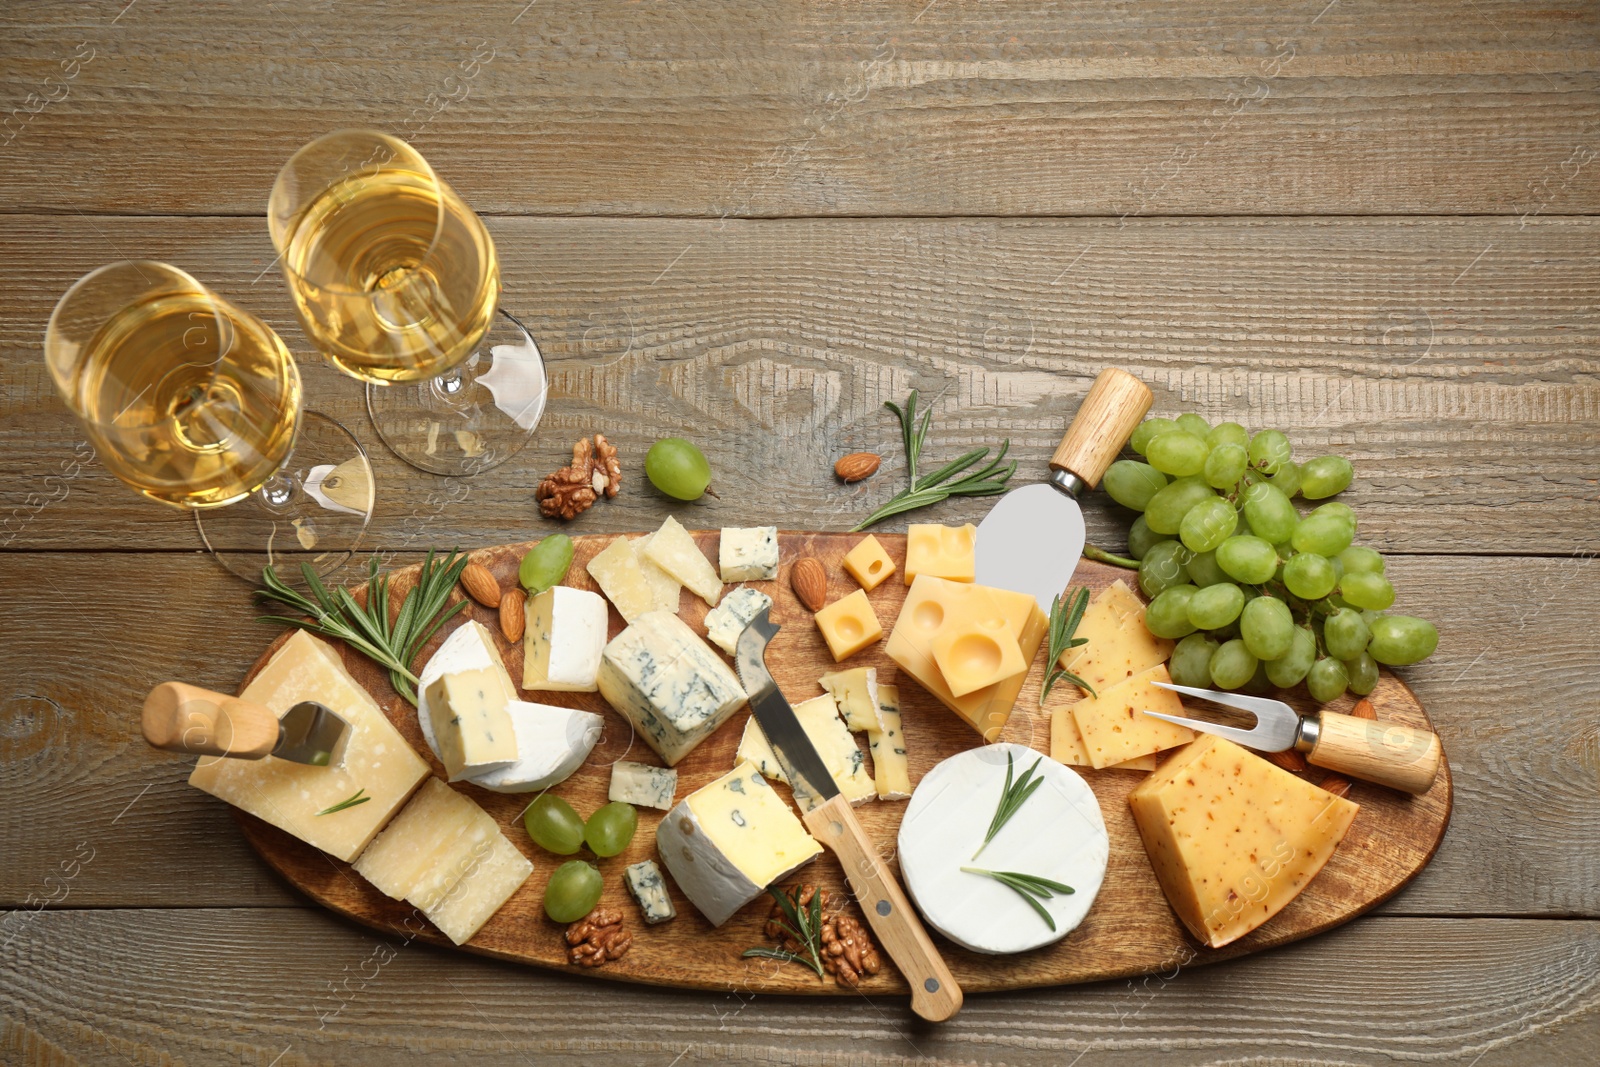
{"x":796,"y":754}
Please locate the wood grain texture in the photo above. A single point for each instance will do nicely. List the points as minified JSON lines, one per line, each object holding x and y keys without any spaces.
{"x":893,"y":107}
{"x":290,"y":988}
{"x":1130,"y":930}
{"x":1454,"y":360}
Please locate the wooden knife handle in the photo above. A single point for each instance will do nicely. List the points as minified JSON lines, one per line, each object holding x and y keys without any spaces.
{"x":186,"y":718}
{"x":1115,"y":404}
{"x":1396,"y":756}
{"x":934,"y":993}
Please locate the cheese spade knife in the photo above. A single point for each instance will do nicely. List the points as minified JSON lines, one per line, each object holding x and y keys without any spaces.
{"x":934,"y":993}
{"x":186,"y":718}
{"x":1031,"y":540}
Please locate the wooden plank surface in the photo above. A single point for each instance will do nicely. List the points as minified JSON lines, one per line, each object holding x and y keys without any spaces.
{"x":1454,"y":360}
{"x":290,"y":988}
{"x":894,"y":107}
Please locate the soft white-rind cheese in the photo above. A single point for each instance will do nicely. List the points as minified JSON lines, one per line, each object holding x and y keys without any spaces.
{"x":566,"y":632}
{"x":748,"y":554}
{"x":661,"y":677}
{"x":469,"y":647}
{"x":552,"y":743}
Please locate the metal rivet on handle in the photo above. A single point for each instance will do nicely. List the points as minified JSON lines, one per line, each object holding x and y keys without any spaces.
{"x":931,"y":985}
{"x":883,"y":907}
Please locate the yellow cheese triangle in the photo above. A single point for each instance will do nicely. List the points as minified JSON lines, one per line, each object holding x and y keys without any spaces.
{"x":1114,"y":727}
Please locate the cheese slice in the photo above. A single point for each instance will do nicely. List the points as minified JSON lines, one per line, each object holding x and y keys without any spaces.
{"x":674,"y":551}
{"x":1113,"y":725}
{"x":642,"y":785}
{"x":726,"y":621}
{"x":473,"y":733}
{"x":856,"y":693}
{"x":1058,"y":834}
{"x":400,"y":857}
{"x":840,"y":754}
{"x":668,"y":683}
{"x":552,"y":743}
{"x":288,"y":795}
{"x":663,"y":585}
{"x":727,"y":841}
{"x":620,"y":578}
{"x":890,"y":773}
{"x":563,"y":639}
{"x":471,"y":902}
{"x":1119,"y":645}
{"x":1233,"y":839}
{"x":1066,"y":746}
{"x":748,"y":554}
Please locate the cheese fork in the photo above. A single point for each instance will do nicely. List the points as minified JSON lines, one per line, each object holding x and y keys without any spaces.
{"x":1396,"y":756}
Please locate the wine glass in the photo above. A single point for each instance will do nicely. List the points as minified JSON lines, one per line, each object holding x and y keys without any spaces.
{"x":197,"y":404}
{"x":397,"y":282}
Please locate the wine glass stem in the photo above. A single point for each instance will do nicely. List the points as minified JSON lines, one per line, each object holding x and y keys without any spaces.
{"x":276,"y":492}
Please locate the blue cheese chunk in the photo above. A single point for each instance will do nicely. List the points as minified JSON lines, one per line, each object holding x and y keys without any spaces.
{"x":643,"y":786}
{"x":749,"y":554}
{"x":726,"y":621}
{"x":644,"y":881}
{"x":668,"y":683}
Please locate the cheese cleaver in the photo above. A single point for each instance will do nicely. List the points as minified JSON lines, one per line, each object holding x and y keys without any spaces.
{"x":186,"y":718}
{"x":828,"y":815}
{"x":1031,"y":540}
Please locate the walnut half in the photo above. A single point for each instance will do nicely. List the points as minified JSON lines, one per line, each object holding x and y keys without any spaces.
{"x":597,"y":938}
{"x":571,"y":490}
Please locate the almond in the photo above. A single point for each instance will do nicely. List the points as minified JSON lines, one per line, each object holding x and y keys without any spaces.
{"x":856,"y":466}
{"x":810,"y":582}
{"x":512,"y":617}
{"x":481,"y":585}
{"x":1337,"y":784}
{"x":1288,"y":759}
{"x":1364,"y":709}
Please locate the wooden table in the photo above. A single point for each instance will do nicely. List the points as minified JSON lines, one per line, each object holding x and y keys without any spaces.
{"x":1372,"y":225}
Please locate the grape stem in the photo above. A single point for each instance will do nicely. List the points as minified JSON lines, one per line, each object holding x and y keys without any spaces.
{"x":1091,"y":552}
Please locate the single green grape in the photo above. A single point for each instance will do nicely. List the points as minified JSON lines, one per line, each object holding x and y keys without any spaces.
{"x":1309,"y":576}
{"x":1270,"y":514}
{"x":1189,"y":422}
{"x":1359,"y":559}
{"x":554,"y":825}
{"x":1339,"y":508}
{"x":1363,"y":674}
{"x":1232,"y":665}
{"x":1207,"y":525}
{"x":677,"y":468}
{"x":1141,"y":538}
{"x":1267,"y":627}
{"x":1203,"y":570}
{"x":1148,"y":429}
{"x":610,"y":829}
{"x":1247,"y":559}
{"x":1289,"y":669}
{"x":1269,"y":451}
{"x":1401,"y":640}
{"x":1368,"y":591}
{"x":1215,"y":606}
{"x":1327,"y":680}
{"x":1324,"y":476}
{"x":1225,"y":465}
{"x":1191,"y":661}
{"x":1163,"y":567}
{"x":1346,"y":634}
{"x":1167,"y":508}
{"x":1168,"y":614}
{"x":1132,"y":484}
{"x":545,"y":564}
{"x":1287,"y":479}
{"x":1177,"y":453}
{"x":573,"y":891}
{"x":1228,"y":433}
{"x":1326,"y":535}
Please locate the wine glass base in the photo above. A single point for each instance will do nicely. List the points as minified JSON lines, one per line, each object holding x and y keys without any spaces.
{"x":472,"y":419}
{"x":314,"y":511}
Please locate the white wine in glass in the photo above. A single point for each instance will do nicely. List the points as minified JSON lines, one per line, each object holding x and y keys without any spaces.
{"x":197,"y":404}
{"x":397,"y":282}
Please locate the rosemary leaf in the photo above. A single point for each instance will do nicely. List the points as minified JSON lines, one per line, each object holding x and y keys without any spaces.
{"x":943,"y":483}
{"x":1030,"y":887}
{"x":804,"y":925}
{"x":1066,"y":612}
{"x":1013,"y":795}
{"x":348,"y":802}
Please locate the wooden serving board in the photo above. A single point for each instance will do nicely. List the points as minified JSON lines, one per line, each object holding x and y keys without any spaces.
{"x":1129,"y":931}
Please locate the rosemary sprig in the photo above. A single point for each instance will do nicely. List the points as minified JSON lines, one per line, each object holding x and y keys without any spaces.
{"x":349,"y":802}
{"x":942,"y":483}
{"x":392,"y":644}
{"x":1031,"y":887}
{"x":801,"y":922}
{"x":1012,"y":797}
{"x":1065,"y":615}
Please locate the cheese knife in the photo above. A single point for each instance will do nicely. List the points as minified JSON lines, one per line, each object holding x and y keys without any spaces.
{"x":935,"y":996}
{"x":1031,"y":540}
{"x":185,"y":718}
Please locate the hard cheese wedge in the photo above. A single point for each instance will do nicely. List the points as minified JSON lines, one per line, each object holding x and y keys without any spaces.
{"x":728,"y":841}
{"x":663,"y":585}
{"x":820,"y":720}
{"x":1233,"y":839}
{"x":674,"y":551}
{"x":616,"y":571}
{"x":1113,"y":725}
{"x":288,"y":795}
{"x":890,"y":771}
{"x":668,"y":683}
{"x":1119,"y":646}
{"x":565,"y":634}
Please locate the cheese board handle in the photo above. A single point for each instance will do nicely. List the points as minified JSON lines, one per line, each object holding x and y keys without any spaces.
{"x":935,"y":996}
{"x":1115,"y":404}
{"x":186,"y":718}
{"x":1396,"y":756}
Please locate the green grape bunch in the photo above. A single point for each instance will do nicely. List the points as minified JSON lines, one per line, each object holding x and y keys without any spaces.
{"x":1256,"y":593}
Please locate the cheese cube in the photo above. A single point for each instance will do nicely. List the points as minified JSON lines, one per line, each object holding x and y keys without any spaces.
{"x":1119,"y":645}
{"x":890,"y":773}
{"x":869,"y":563}
{"x":726,"y":842}
{"x":933,"y":600}
{"x":565,"y":634}
{"x":644,"y":881}
{"x":663,"y":585}
{"x":471,"y":902}
{"x":470,"y":725}
{"x":287,"y":794}
{"x":840,"y":754}
{"x":674,"y":551}
{"x":1233,"y":839}
{"x":616,"y":571}
{"x":1114,"y":727}
{"x":849,"y":625}
{"x":978,"y":649}
{"x":726,"y":621}
{"x":668,"y":683}
{"x":642,"y":786}
{"x":941,"y":552}
{"x":749,"y":554}
{"x":856,"y":693}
